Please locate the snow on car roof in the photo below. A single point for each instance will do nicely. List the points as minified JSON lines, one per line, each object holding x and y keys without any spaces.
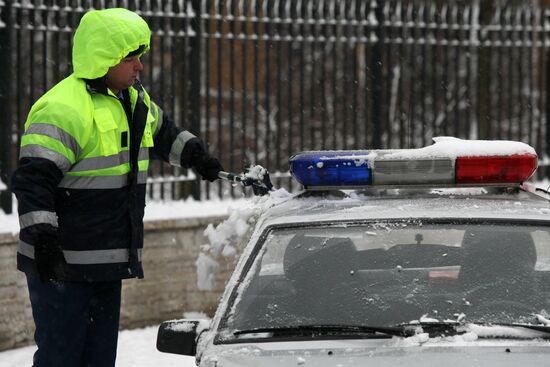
{"x":451,"y":147}
{"x":448,"y":147}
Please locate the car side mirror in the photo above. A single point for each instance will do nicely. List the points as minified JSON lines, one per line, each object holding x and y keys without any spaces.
{"x":180,"y":336}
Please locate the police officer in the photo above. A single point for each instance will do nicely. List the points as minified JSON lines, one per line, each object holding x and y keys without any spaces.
{"x":80,"y":185}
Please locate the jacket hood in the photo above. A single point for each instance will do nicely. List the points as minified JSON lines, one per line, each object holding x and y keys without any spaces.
{"x":104,"y":37}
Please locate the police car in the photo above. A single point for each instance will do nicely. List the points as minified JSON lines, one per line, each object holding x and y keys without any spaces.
{"x":422,"y":257}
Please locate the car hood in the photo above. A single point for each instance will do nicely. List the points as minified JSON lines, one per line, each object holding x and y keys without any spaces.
{"x":395,"y":352}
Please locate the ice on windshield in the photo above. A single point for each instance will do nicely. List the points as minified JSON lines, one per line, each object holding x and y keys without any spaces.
{"x":387,"y":273}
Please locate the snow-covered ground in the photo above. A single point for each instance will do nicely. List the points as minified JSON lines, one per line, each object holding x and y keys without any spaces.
{"x":136,"y":348}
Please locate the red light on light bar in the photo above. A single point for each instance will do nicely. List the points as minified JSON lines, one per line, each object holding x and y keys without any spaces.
{"x":495,"y":169}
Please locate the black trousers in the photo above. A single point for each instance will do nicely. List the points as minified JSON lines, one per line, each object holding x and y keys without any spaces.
{"x":76,"y":322}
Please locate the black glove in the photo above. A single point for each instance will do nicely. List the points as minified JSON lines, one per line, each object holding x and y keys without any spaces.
{"x":193,"y":150}
{"x":208,"y":167}
{"x":50,"y":261}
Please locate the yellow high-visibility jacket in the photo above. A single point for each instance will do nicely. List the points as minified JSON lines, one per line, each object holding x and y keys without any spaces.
{"x":85,"y":154}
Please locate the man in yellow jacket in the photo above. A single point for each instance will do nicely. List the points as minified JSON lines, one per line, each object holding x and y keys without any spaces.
{"x":80,"y":185}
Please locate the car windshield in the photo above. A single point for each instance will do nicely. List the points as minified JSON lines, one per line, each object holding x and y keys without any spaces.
{"x":394,"y":272}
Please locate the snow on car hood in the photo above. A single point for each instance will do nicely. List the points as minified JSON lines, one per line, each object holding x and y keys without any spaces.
{"x":411,"y":352}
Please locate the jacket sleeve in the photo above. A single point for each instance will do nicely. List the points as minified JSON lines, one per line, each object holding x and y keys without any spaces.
{"x":48,"y":149}
{"x":174,"y":145}
{"x":34,"y":183}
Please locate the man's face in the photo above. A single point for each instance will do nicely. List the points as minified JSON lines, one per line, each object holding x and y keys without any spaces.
{"x":123,"y":75}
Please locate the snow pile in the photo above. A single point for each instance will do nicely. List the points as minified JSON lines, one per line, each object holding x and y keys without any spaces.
{"x":426,"y":319}
{"x":443,"y":147}
{"x":468,"y":333}
{"x":256,"y":173}
{"x":450,"y":147}
{"x":206,"y":272}
{"x":421,"y":338}
{"x":412,"y":341}
{"x":188,"y":326}
{"x":190,"y":208}
{"x":229,"y":237}
{"x":542,"y":320}
{"x":462,"y":338}
{"x":506,"y":332}
{"x":223,"y":238}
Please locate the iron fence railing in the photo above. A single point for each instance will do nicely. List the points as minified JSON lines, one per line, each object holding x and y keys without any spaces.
{"x":262,"y":79}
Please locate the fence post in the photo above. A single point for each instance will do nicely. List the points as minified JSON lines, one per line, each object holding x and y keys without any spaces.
{"x":195,"y":80}
{"x":6,"y":145}
{"x":484,"y":97}
{"x":377,"y":76}
{"x":546,"y":121}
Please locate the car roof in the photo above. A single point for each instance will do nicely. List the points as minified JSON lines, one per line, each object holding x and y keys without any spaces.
{"x":494,"y":203}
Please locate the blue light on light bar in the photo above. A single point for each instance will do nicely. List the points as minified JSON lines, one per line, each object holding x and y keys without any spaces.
{"x":330,"y":168}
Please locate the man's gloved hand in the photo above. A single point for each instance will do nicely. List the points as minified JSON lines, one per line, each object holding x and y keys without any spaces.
{"x":208,"y":167}
{"x":50,"y":261}
{"x":195,"y":154}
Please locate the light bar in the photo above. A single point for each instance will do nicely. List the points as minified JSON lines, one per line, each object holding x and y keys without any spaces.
{"x":341,"y":169}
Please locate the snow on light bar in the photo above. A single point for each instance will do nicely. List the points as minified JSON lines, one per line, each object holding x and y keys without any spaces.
{"x":450,"y":161}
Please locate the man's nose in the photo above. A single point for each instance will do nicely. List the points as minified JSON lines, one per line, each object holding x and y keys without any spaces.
{"x":138,"y":66}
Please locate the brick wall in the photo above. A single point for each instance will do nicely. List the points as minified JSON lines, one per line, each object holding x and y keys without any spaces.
{"x":168,"y":290}
{"x":16,"y":325}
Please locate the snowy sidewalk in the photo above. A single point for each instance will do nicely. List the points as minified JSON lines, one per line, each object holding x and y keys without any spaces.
{"x":136,"y":348}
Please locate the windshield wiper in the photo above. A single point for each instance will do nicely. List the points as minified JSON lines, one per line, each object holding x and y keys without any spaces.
{"x":543,"y":328}
{"x":439,"y":328}
{"x":324,"y":331}
{"x":434,"y":328}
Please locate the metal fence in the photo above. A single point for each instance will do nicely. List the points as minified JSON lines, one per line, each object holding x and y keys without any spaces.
{"x":262,"y":79}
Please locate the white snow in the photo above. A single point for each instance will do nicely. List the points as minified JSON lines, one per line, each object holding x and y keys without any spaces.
{"x":136,"y":348}
{"x":231,"y":230}
{"x":204,"y":323}
{"x":543,"y":320}
{"x":256,"y":172}
{"x":460,"y":317}
{"x":154,"y":210}
{"x":157,"y":210}
{"x":473,"y":335}
{"x":496,"y":331}
{"x":206,"y":271}
{"x":446,"y":146}
{"x":412,"y":341}
{"x":426,"y":319}
{"x":443,"y":147}
{"x":230,"y":236}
